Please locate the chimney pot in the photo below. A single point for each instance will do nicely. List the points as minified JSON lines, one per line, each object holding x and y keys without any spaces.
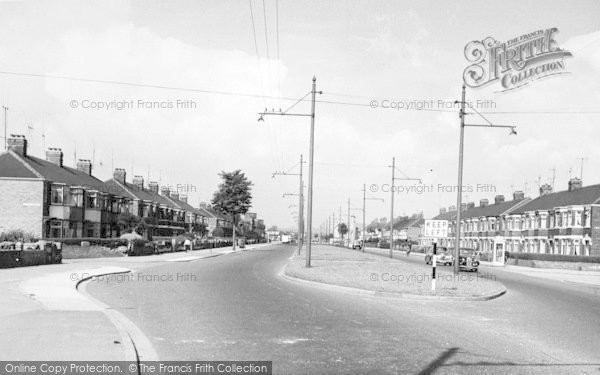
{"x":574,"y":184}
{"x":545,"y":189}
{"x":55,"y":156}
{"x":85,"y":166}
{"x":138,"y":182}
{"x":17,"y":143}
{"x":153,"y":186}
{"x":518,"y":195}
{"x":119,"y":175}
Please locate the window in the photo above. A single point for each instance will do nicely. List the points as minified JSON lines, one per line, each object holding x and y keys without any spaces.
{"x":91,"y":201}
{"x":57,"y":195}
{"x":578,"y":218}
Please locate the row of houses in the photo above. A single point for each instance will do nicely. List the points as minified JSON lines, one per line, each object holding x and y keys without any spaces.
{"x":47,"y":199}
{"x":565,"y":222}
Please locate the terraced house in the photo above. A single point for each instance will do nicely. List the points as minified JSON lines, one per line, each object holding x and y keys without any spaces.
{"x":565,"y":222}
{"x":51,"y":200}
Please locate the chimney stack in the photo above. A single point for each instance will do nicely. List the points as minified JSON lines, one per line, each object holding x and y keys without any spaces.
{"x":153,"y":186}
{"x":451,"y":208}
{"x":574,"y":184}
{"x":165,"y":191}
{"x":85,"y":166}
{"x":203,"y":205}
{"x":545,"y":189}
{"x":470,"y":205}
{"x":183,"y":198}
{"x":175,"y":195}
{"x":498,"y":199}
{"x":138,"y":182}
{"x":18,"y":144}
{"x":463,"y":207}
{"x":518,"y":195}
{"x":55,"y":156}
{"x":119,"y":175}
{"x":483,"y":202}
{"x":442,"y":210}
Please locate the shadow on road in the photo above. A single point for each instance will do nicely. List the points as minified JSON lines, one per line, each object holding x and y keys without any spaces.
{"x":438,"y":362}
{"x":441,"y":360}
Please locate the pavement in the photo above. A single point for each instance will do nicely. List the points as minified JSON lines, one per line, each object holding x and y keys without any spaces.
{"x":238,"y":308}
{"x":585,"y":278}
{"x":45,"y":315}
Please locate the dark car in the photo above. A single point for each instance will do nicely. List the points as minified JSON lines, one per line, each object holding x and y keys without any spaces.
{"x":468,"y":260}
{"x":444,"y":257}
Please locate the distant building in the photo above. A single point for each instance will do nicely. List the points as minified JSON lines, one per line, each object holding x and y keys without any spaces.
{"x":565,"y":222}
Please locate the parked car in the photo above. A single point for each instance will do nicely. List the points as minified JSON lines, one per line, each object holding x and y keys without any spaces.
{"x":444,"y":256}
{"x":383,"y":244}
{"x":468,"y":260}
{"x":356,"y":244}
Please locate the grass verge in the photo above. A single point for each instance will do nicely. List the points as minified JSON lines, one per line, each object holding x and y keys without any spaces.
{"x":351,"y":268}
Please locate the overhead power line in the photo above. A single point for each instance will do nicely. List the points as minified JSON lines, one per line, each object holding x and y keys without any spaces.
{"x":249,"y":95}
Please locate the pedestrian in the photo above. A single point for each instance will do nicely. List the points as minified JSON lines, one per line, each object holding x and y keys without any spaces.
{"x":187,"y":244}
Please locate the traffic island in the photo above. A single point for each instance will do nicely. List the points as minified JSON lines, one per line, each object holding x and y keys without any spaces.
{"x":354,"y":271}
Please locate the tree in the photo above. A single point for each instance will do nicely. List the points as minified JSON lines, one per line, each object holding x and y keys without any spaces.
{"x":342,"y":229}
{"x":234,"y":197}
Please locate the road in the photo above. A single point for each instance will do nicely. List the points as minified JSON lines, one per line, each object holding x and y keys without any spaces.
{"x":237,"y":307}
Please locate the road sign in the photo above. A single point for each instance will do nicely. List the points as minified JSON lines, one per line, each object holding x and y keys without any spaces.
{"x":435,"y":228}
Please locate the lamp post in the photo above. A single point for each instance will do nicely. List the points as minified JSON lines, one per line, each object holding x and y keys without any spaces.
{"x":310,"y":156}
{"x":462,"y":115}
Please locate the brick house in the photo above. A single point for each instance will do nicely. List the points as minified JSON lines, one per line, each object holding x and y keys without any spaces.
{"x":51,"y":200}
{"x":565,"y":222}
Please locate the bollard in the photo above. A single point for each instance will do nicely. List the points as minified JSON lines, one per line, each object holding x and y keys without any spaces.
{"x":433,"y":261}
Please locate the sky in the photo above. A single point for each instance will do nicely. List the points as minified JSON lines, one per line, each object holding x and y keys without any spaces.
{"x":181,"y":84}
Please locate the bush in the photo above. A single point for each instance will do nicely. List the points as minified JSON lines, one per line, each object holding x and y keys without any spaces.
{"x":78,"y":252}
{"x":553,"y":257}
{"x":15,"y":235}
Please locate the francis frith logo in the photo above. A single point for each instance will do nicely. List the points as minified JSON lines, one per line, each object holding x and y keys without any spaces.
{"x":516,"y":62}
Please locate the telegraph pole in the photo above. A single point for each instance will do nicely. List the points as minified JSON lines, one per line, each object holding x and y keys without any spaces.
{"x":348,"y":220}
{"x":392,"y":208}
{"x":392,"y":204}
{"x":310,"y":170}
{"x":460,"y":168}
{"x":311,"y":155}
{"x":5,"y":127}
{"x":333,"y":225}
{"x":300,"y":203}
{"x":301,"y":209}
{"x":460,"y":175}
{"x":341,"y":235}
{"x":364,"y":226}
{"x":364,"y":210}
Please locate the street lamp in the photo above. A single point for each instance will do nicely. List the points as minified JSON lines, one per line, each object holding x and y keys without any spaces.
{"x":314,"y":92}
{"x":460,"y":166}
